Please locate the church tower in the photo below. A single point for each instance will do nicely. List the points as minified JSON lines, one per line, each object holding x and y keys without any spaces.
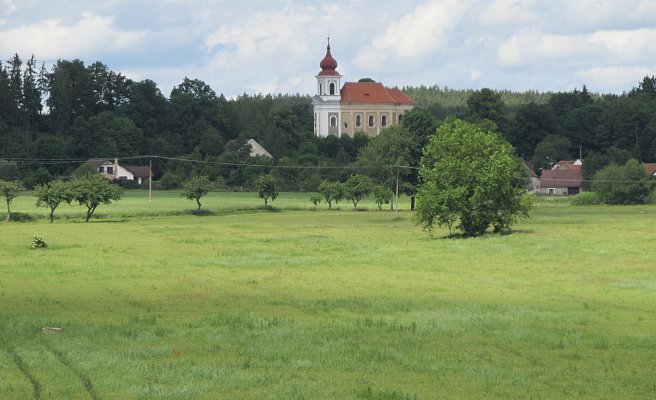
{"x":327,"y":100}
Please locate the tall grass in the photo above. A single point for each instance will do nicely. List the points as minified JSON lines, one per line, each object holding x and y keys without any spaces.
{"x":329,"y":304}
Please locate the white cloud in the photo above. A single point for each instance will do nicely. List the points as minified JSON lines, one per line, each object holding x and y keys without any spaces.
{"x":51,"y":39}
{"x":415,"y":35}
{"x":504,"y":13}
{"x":614,"y":78}
{"x":606,"y":47}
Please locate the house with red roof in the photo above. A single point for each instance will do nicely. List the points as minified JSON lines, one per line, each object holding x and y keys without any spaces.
{"x":650,"y":168}
{"x":564,"y":178}
{"x":356,"y":107}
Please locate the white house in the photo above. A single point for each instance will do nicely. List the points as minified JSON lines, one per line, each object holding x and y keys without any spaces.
{"x":112,"y":170}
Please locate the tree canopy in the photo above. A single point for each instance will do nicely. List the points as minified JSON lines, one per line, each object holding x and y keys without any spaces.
{"x":195,"y":188}
{"x":93,"y":190}
{"x":469,"y":181}
{"x":623,"y":184}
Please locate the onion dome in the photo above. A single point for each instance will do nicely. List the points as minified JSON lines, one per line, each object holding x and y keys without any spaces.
{"x":328,"y":64}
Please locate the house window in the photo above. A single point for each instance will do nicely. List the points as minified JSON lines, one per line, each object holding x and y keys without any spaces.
{"x":400,"y":117}
{"x":552,"y":190}
{"x":110,"y":170}
{"x":333,"y":121}
{"x":358,"y":121}
{"x":383,"y":121}
{"x":372,"y":121}
{"x":101,"y":169}
{"x":332,"y":88}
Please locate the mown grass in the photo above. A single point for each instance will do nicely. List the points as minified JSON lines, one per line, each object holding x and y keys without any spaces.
{"x":298,"y":304}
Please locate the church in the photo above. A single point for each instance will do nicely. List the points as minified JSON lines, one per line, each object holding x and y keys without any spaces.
{"x":356,"y":107}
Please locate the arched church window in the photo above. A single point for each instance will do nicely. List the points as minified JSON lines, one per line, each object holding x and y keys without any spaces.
{"x":372,"y":121}
{"x":383,"y":121}
{"x":332,"y":88}
{"x":333,"y":121}
{"x":358,"y":121}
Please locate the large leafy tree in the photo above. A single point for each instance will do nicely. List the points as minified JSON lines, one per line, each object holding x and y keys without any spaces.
{"x":469,"y":181}
{"x":52,"y":194}
{"x":623,"y":184}
{"x":93,"y":190}
{"x":9,"y":190}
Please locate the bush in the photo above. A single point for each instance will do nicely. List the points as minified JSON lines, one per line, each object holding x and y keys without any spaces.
{"x":627,"y":184}
{"x":585,"y":199}
{"x":170,"y":181}
{"x":39,"y":242}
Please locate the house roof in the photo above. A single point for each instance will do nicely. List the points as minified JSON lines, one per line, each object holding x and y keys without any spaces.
{"x":96,"y":162}
{"x":568,"y":165}
{"x":141,"y":172}
{"x":650,"y":168}
{"x":257,"y":149}
{"x":529,"y":168}
{"x":560,"y":178}
{"x":372,"y":92}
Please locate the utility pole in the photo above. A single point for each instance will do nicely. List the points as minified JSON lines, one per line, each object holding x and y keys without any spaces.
{"x":397,"y":191}
{"x":150,"y":183}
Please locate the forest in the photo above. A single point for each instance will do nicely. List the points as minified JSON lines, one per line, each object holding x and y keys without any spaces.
{"x":52,"y":120}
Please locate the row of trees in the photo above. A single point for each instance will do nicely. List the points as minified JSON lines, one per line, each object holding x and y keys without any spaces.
{"x":89,"y":190}
{"x":91,"y":111}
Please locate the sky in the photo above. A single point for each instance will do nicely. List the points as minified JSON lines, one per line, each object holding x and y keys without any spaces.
{"x":275,"y":46}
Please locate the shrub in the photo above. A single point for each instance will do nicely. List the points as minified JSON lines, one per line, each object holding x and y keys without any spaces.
{"x":170,"y":181}
{"x":585,"y":199}
{"x":316,"y":199}
{"x":39,"y":242}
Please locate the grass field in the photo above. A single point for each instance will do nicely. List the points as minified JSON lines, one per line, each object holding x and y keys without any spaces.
{"x":298,"y":304}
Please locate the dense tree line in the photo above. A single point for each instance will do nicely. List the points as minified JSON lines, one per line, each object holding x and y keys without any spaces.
{"x":74,"y":111}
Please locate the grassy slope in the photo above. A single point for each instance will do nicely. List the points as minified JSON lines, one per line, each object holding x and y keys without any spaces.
{"x":301,"y":304}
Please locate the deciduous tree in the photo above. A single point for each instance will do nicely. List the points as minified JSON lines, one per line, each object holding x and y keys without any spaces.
{"x":469,"y":181}
{"x":623,"y":184}
{"x":9,"y":190}
{"x":52,"y":194}
{"x":93,"y":190}
{"x":267,"y":188}
{"x":332,"y":191}
{"x":358,"y":187}
{"x":195,"y":188}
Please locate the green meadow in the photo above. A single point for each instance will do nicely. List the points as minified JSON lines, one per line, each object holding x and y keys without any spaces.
{"x":242,"y":303}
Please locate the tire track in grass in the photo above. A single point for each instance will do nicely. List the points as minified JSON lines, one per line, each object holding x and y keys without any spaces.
{"x":86,"y":382}
{"x":36,"y":386}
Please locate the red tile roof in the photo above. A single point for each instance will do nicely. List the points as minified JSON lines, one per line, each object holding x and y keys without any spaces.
{"x":567,"y":165}
{"x":560,"y":178}
{"x":372,"y":92}
{"x":650,"y":168}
